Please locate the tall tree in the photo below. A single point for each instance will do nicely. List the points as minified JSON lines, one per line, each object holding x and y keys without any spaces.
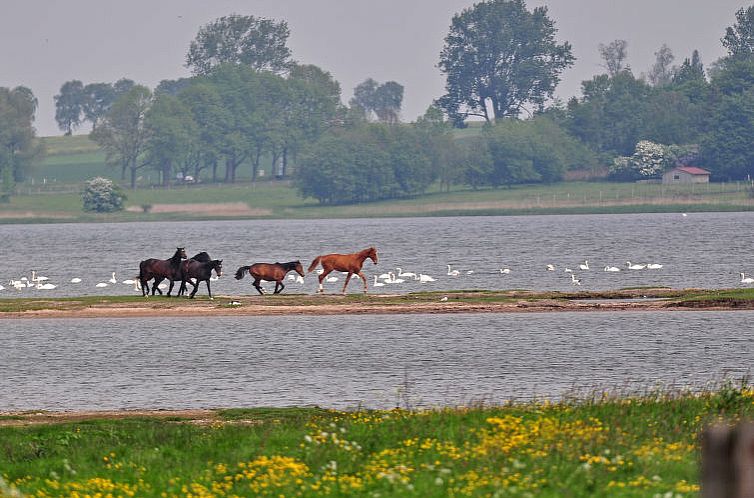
{"x":17,"y":109}
{"x":692,"y":69}
{"x":171,"y":136}
{"x":69,"y":106}
{"x":246,"y":40}
{"x":662,"y":71}
{"x":384,"y":100}
{"x":614,"y":54}
{"x":122,"y":133}
{"x":739,"y":38}
{"x":501,"y":57}
{"x":98,"y":98}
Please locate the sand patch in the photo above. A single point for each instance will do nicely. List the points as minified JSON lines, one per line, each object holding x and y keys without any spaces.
{"x":216,"y":209}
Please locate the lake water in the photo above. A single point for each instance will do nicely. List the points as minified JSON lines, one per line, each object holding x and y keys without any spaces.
{"x":376,"y":361}
{"x":699,"y":250}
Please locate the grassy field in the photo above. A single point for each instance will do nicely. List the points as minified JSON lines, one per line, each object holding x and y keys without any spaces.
{"x":605,"y":444}
{"x":53,"y":194}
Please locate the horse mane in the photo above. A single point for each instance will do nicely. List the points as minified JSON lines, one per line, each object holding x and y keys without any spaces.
{"x":202,"y":256}
{"x":291,"y":265}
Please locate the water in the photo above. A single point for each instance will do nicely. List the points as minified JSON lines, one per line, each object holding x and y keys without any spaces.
{"x":377,"y":361}
{"x":700,"y":250}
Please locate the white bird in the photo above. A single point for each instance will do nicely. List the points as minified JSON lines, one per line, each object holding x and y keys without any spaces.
{"x":162,"y":286}
{"x":505,"y":271}
{"x":550,"y":267}
{"x":129,"y":281}
{"x":384,"y":276}
{"x":319,"y":271}
{"x":612,"y":268}
{"x":377,"y":283}
{"x":746,"y":280}
{"x":235,"y":303}
{"x":425,"y":278}
{"x":453,"y":273}
{"x":585,"y":266}
{"x":470,"y":272}
{"x":635,"y":266}
{"x":406,"y":274}
{"x":394,"y":280}
{"x":684,"y":214}
{"x":35,"y":278}
{"x":654,"y":266}
{"x":574,"y":280}
{"x":113,"y":279}
{"x":291,"y":277}
{"x":331,"y":279}
{"x":444,"y":298}
{"x":299,"y":279}
{"x":101,"y":284}
{"x":568,"y":270}
{"x":75,"y":280}
{"x":2,"y":288}
{"x":46,"y":286}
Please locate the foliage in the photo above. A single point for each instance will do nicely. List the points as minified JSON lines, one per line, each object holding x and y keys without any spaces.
{"x":614,"y":54}
{"x":739,"y":38}
{"x":662,"y":72}
{"x":17,"y":148}
{"x":101,"y":195}
{"x":384,"y":100}
{"x":366,"y":163}
{"x":171,"y":136}
{"x":649,"y":160}
{"x":251,"y":41}
{"x":69,"y":106}
{"x":603,"y":445}
{"x":501,"y":55}
{"x":122,"y":133}
{"x":726,"y":148}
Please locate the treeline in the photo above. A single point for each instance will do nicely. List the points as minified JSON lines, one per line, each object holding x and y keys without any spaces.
{"x":248,"y":101}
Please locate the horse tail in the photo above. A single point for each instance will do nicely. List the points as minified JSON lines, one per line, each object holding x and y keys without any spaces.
{"x":314,"y":264}
{"x":240,"y":272}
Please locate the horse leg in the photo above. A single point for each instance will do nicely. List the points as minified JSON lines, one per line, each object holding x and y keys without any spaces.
{"x":348,"y":279}
{"x":322,"y":277}
{"x":156,"y":285}
{"x":279,"y":283}
{"x":170,"y":289}
{"x":209,"y":291}
{"x":258,"y":287}
{"x":363,"y":279}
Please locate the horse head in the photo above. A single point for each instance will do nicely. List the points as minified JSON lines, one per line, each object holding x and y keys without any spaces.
{"x":372,"y":254}
{"x":217,"y":264}
{"x":181,"y":251}
{"x":299,"y":269}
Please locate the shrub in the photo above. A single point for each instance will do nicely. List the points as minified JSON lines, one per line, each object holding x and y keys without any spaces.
{"x":102,"y":196}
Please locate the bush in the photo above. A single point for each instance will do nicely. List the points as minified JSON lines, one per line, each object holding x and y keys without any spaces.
{"x":102,"y":196}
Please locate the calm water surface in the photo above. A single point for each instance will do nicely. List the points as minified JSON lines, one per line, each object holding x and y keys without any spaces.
{"x":377,"y":361}
{"x":699,"y":250}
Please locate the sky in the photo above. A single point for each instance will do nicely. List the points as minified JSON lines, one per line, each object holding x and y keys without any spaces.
{"x":44,"y":43}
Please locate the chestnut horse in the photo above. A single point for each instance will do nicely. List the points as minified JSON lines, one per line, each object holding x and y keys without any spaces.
{"x":159,"y":270}
{"x":270,"y":272}
{"x":347,"y":263}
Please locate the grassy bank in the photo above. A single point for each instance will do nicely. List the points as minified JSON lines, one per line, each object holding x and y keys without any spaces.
{"x":601,"y":445}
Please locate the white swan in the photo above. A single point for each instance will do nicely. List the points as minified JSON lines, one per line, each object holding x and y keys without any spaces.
{"x":574,"y":280}
{"x":35,"y":278}
{"x":746,"y":280}
{"x":331,"y":279}
{"x":75,"y":280}
{"x":654,"y":266}
{"x":505,"y":271}
{"x":394,"y":280}
{"x":2,"y":288}
{"x":113,"y":279}
{"x":568,"y":270}
{"x":101,"y":284}
{"x":453,"y":273}
{"x":585,"y":266}
{"x":550,"y":267}
{"x":377,"y":283}
{"x":46,"y":286}
{"x":299,"y":279}
{"x":406,"y":274}
{"x":384,"y":276}
{"x":425,"y":278}
{"x":612,"y":268}
{"x":635,"y":267}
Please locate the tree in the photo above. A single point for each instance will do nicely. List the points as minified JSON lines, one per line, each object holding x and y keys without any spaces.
{"x":692,"y":70}
{"x":739,"y":38}
{"x":171,"y":136}
{"x":614,"y":54}
{"x":662,"y":72}
{"x":17,"y":109}
{"x":384,"y":100}
{"x":726,"y":148}
{"x":122,"y":133}
{"x":101,"y":195}
{"x":69,"y":106}
{"x":502,"y":57}
{"x":98,"y":98}
{"x":246,"y":40}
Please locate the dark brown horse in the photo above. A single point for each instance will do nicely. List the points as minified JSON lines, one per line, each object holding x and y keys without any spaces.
{"x":270,"y":272}
{"x":202,"y":257}
{"x":347,"y":263}
{"x":159,"y":270}
{"x":201,"y":271}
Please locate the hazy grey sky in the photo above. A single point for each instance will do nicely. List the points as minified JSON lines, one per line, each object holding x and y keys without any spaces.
{"x":44,"y":43}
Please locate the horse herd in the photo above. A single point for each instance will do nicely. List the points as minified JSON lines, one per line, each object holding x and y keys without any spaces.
{"x":180,"y":268}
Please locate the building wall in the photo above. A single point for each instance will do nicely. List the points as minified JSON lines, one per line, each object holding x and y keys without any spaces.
{"x":675,"y":177}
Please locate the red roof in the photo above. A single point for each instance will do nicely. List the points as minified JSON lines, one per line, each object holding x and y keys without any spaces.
{"x":693,"y":170}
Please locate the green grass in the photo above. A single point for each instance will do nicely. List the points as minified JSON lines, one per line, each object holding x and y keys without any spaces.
{"x":604,"y":444}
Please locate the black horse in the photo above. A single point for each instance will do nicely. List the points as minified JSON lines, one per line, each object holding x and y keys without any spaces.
{"x":159,"y":270}
{"x":202,"y":257}
{"x":270,"y":272}
{"x":201,"y":271}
